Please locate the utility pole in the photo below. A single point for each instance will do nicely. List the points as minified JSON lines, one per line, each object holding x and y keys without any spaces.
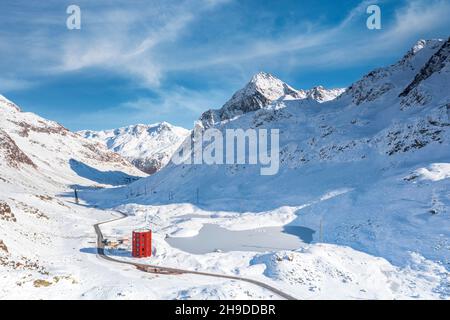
{"x":321,"y":230}
{"x":76,"y":196}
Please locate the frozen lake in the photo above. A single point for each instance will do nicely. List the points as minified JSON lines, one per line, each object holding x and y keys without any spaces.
{"x":213,"y":237}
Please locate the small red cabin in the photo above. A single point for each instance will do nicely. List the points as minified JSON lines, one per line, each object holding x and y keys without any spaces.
{"x":142,"y":243}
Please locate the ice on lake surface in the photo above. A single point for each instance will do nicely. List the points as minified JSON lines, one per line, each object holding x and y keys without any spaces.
{"x":213,"y":237}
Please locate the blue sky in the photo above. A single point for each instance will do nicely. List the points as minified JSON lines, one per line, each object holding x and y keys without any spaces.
{"x":149,"y":61}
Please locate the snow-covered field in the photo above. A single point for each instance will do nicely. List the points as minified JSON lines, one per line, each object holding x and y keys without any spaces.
{"x":312,"y":271}
{"x":55,"y":258}
{"x":367,"y":173}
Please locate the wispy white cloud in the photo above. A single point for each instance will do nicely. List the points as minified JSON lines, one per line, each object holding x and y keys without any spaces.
{"x":332,"y":47}
{"x":416,"y":18}
{"x":116,"y":46}
{"x":12,"y":84}
{"x":138,"y":41}
{"x":115,"y":37}
{"x":188,"y":104}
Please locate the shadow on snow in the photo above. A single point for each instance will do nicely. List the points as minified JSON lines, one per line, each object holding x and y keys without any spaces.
{"x":114,"y":178}
{"x":109,"y":252}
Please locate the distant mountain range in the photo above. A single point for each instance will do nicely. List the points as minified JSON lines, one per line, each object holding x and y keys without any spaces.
{"x":35,"y":151}
{"x":148,"y":147}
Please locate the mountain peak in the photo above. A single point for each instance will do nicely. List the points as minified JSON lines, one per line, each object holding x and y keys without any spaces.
{"x":263,"y":78}
{"x":321,"y":94}
{"x":396,"y":76}
{"x":434,"y":65}
{"x":262,"y":90}
{"x":164,"y":125}
{"x":135,"y":129}
{"x":261,"y":75}
{"x":267,"y":85}
{"x":147,"y":146}
{"x":422,"y":43}
{"x":418,"y":47}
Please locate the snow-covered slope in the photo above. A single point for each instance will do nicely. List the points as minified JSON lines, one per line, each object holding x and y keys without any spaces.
{"x":39,"y":149}
{"x":148,"y":147}
{"x":396,"y":77}
{"x":356,"y":167}
{"x":42,"y":231}
{"x":262,"y":90}
{"x":48,"y":247}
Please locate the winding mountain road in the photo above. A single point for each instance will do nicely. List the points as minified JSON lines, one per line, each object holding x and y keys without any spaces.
{"x":174,"y":271}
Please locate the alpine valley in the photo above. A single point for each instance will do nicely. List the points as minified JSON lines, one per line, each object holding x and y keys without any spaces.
{"x":358,"y":210}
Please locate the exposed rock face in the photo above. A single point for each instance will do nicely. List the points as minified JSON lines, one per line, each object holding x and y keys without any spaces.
{"x":41,"y":128}
{"x":3,"y":247}
{"x":150,"y":165}
{"x":13,"y":155}
{"x":6,"y":213}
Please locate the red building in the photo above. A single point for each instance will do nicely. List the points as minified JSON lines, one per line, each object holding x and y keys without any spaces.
{"x":142,"y":243}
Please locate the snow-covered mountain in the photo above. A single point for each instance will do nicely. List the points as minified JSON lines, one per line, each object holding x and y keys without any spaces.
{"x":366,"y":172}
{"x":263,"y":90}
{"x":42,"y":230}
{"x":36,"y":148}
{"x":369,"y":168}
{"x":148,"y":147}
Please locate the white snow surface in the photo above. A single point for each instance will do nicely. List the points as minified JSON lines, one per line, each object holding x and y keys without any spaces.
{"x":436,"y":172}
{"x":367,"y":171}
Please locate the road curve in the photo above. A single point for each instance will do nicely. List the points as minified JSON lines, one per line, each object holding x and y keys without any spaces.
{"x":173,"y":271}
